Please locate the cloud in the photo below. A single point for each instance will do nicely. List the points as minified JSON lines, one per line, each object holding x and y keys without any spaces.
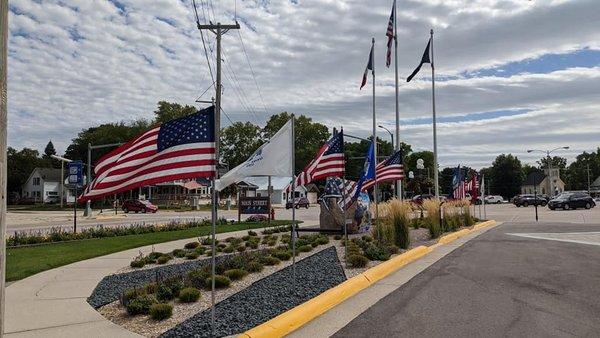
{"x":78,"y":63}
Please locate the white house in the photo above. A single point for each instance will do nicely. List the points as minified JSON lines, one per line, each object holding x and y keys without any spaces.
{"x":279,"y":185}
{"x":43,"y":185}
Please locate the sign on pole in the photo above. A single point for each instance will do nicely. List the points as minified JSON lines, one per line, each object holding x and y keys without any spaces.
{"x":76,"y":179}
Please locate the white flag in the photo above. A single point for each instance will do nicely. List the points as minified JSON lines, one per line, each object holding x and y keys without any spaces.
{"x":273,"y":158}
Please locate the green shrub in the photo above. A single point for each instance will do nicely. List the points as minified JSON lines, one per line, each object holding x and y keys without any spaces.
{"x":270,"y":260}
{"x":302,"y":242}
{"x":401,"y":232}
{"x":200,"y":250}
{"x":151,"y":288}
{"x":377,"y":253}
{"x":175,"y":284}
{"x":235,"y":274}
{"x":392,"y":249}
{"x":282,"y":255}
{"x":207,"y":240}
{"x":192,"y":255}
{"x":322,"y":240}
{"x":252,"y":233}
{"x":164,"y":293}
{"x":140,"y":305}
{"x":254,"y":266}
{"x":272,"y":242}
{"x":253,"y":245}
{"x":241,"y":248}
{"x":161,"y":311}
{"x":189,"y":295}
{"x":191,"y":245}
{"x":229,"y":239}
{"x":221,"y":245}
{"x":178,"y":253}
{"x":358,"y":261}
{"x":138,"y":263}
{"x":304,"y":248}
{"x":367,"y":238}
{"x":416,"y":223}
{"x":197,"y":277}
{"x":245,"y":238}
{"x":337,"y":237}
{"x":163,"y":259}
{"x":229,"y":249}
{"x":220,"y":282}
{"x":154,"y":255}
{"x":130,"y":294}
{"x":267,"y":232}
{"x":209,"y":252}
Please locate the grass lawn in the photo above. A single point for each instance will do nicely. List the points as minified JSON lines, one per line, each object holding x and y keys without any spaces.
{"x":27,"y":261}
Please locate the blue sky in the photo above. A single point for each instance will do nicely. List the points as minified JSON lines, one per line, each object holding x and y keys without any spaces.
{"x":510,"y":74}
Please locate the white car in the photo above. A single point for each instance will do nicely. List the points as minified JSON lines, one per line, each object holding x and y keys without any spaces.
{"x":494,"y":199}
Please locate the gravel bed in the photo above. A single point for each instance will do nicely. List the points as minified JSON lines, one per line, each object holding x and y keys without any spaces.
{"x":112,"y":286}
{"x":267,"y":297}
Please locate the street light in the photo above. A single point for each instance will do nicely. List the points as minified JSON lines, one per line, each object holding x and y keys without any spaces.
{"x":391,"y":135}
{"x":549,"y":165}
{"x":396,"y":186}
{"x":62,"y":175}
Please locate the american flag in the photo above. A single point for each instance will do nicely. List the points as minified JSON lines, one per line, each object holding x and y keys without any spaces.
{"x":328,"y":162}
{"x":472,"y":186}
{"x":335,"y":187}
{"x":390,"y":35}
{"x":391,"y":169}
{"x":178,"y":149}
{"x":458,"y":184}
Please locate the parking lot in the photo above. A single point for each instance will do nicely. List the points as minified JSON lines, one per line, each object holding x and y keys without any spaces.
{"x":510,"y":213}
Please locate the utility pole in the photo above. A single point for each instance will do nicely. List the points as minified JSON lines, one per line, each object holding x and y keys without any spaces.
{"x":218,"y":29}
{"x":588,"y":178}
{"x":3,"y":113}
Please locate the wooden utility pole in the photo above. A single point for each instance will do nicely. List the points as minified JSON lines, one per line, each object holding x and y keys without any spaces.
{"x":3,"y":113}
{"x":218,"y":29}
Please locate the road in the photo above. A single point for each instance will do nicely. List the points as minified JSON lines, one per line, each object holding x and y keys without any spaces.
{"x":518,"y":279}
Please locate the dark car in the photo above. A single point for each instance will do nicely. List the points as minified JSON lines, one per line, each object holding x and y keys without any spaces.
{"x":138,"y":206}
{"x":298,"y":202}
{"x":418,"y":199}
{"x":527,"y":200}
{"x":572,"y":200}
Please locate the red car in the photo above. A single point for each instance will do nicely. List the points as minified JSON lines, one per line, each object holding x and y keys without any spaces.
{"x":138,"y":206}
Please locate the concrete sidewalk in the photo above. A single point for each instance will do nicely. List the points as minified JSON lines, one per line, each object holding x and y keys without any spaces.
{"x":53,"y":303}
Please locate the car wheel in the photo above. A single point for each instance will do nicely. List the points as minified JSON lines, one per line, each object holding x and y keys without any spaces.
{"x":306,"y":205}
{"x":566,"y":206}
{"x":144,"y":210}
{"x":525,"y":204}
{"x":125,"y":210}
{"x":544,"y":204}
{"x":551,"y":208}
{"x":587,"y":205}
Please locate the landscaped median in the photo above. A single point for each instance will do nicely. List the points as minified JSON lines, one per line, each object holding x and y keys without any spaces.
{"x":293,"y":319}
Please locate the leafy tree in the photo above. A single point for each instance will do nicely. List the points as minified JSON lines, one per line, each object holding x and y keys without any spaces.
{"x":238,"y":142}
{"x":19,"y":166}
{"x":310,"y":136}
{"x":48,"y":152}
{"x":577,"y":173}
{"x":423,"y":181}
{"x":446,"y":180}
{"x":555,"y":162}
{"x":167,"y":111}
{"x":529,"y":169}
{"x":507,"y":175}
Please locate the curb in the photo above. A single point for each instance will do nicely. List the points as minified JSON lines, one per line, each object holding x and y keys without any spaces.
{"x":294,"y":318}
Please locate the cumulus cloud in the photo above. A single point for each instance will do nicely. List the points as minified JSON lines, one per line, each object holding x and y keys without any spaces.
{"x":77,"y":63}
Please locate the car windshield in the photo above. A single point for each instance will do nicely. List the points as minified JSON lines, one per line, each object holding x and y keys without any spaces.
{"x":563,"y":197}
{"x":145,"y":202}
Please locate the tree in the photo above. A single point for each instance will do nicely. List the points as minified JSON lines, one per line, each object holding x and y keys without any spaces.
{"x":507,"y":174}
{"x":529,"y":169}
{"x":48,"y":152}
{"x":555,"y":162}
{"x":577,"y":172}
{"x":423,"y":181}
{"x":19,"y":165}
{"x":238,"y":142}
{"x":446,"y":176}
{"x":310,"y":136}
{"x":168,"y":111}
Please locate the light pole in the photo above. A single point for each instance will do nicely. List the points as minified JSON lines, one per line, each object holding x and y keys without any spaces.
{"x":397,"y":186}
{"x":391,"y":135}
{"x":549,"y":165}
{"x":62,"y":176}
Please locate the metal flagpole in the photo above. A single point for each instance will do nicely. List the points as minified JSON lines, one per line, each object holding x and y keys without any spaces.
{"x":293,"y":207}
{"x":376,"y":189}
{"x":3,"y":113}
{"x":398,"y":182}
{"x":483,"y":195}
{"x":345,"y":225}
{"x":435,"y":154}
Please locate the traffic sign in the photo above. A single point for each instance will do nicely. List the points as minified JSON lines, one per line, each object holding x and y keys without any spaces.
{"x":75,"y":170}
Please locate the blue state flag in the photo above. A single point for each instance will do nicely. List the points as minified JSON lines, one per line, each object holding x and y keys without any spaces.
{"x":368,"y":169}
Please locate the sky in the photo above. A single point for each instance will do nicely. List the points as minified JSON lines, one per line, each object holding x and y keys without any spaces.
{"x":511,"y":75}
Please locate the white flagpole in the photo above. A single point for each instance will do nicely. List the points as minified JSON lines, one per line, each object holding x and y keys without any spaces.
{"x":376,"y":189}
{"x":345,"y":207}
{"x":293,"y":206}
{"x":435,"y":153}
{"x":398,"y":182}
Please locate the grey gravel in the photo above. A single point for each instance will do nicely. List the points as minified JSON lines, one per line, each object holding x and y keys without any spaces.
{"x":267,"y":297}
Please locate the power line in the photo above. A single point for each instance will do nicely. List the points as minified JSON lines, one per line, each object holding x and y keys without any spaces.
{"x":252,"y":72}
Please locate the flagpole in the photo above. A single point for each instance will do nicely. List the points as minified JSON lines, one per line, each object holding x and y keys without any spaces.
{"x":435,"y":153}
{"x":376,"y":189}
{"x":293,"y":207}
{"x":398,"y":182}
{"x":345,"y":206}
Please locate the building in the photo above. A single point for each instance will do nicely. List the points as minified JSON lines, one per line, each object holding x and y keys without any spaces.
{"x":595,"y":187}
{"x":279,"y":184}
{"x":42,"y":186}
{"x":178,"y":192}
{"x":546,"y":183}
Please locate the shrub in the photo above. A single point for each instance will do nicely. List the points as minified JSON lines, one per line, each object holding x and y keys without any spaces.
{"x":254,"y":266}
{"x":155,"y":254}
{"x":304,"y":248}
{"x":191,"y":245}
{"x":130,"y":294}
{"x":178,"y":253}
{"x":282,"y":255}
{"x":207,"y":240}
{"x":252,"y":245}
{"x":163,"y":259}
{"x":192,"y":255}
{"x":151,"y":288}
{"x":235,"y":274}
{"x":367,"y":238}
{"x":358,"y":261}
{"x":272,"y":242}
{"x":161,"y":311}
{"x":416,"y":223}
{"x":432,"y":220}
{"x":200,"y":250}
{"x":377,"y":253}
{"x":241,"y":248}
{"x":209,"y":253}
{"x":322,"y":240}
{"x":189,"y":295}
{"x":220,"y":282}
{"x":221,"y":245}
{"x":140,"y":305}
{"x":398,"y":214}
{"x":229,"y":239}
{"x":337,"y":237}
{"x":197,"y":277}
{"x":228,"y":249}
{"x":392,"y":249}
{"x":138,"y":263}
{"x":270,"y":260}
{"x":382,"y":232}
{"x":164,"y":293}
{"x":252,"y":233}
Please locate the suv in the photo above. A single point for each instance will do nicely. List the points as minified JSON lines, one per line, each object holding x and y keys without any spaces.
{"x":138,"y":206}
{"x":572,"y":200}
{"x":527,"y":200}
{"x":298,"y":202}
{"x":493,"y":199}
{"x":418,"y":199}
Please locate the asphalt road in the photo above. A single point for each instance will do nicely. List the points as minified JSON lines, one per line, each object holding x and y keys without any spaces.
{"x":499,"y":284}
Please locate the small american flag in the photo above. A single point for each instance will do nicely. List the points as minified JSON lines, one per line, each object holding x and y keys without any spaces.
{"x":328,"y":162}
{"x":391,"y":169}
{"x":390,"y":35}
{"x":178,"y":149}
{"x":458,"y":184}
{"x":345,"y":189}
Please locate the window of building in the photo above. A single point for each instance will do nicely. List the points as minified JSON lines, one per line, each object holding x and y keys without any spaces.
{"x":36,"y":181}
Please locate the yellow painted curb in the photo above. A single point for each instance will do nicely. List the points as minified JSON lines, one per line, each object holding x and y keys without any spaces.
{"x":483,"y":224}
{"x":293,"y":319}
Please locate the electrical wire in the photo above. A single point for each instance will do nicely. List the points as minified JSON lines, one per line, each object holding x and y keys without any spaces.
{"x":252,"y":72}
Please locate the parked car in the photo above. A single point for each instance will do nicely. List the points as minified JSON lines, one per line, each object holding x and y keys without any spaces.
{"x":298,"y":202}
{"x":418,"y":199}
{"x":136,"y":206}
{"x":573,"y":200}
{"x":493,"y":199}
{"x":527,"y":200}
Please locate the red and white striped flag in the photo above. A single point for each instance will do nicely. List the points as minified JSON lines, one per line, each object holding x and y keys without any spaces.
{"x":390,"y":35}
{"x":391,"y":169}
{"x":328,"y":162}
{"x":178,"y":149}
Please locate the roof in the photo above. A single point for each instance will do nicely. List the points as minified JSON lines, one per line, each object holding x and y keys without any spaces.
{"x":278,"y":183}
{"x":49,"y":174}
{"x":596,"y":184}
{"x":534,"y":178}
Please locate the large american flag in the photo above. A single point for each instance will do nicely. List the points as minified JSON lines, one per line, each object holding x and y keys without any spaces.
{"x":390,"y":35}
{"x":458,"y":186}
{"x":178,"y":149}
{"x":391,"y":169}
{"x":328,"y":162}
